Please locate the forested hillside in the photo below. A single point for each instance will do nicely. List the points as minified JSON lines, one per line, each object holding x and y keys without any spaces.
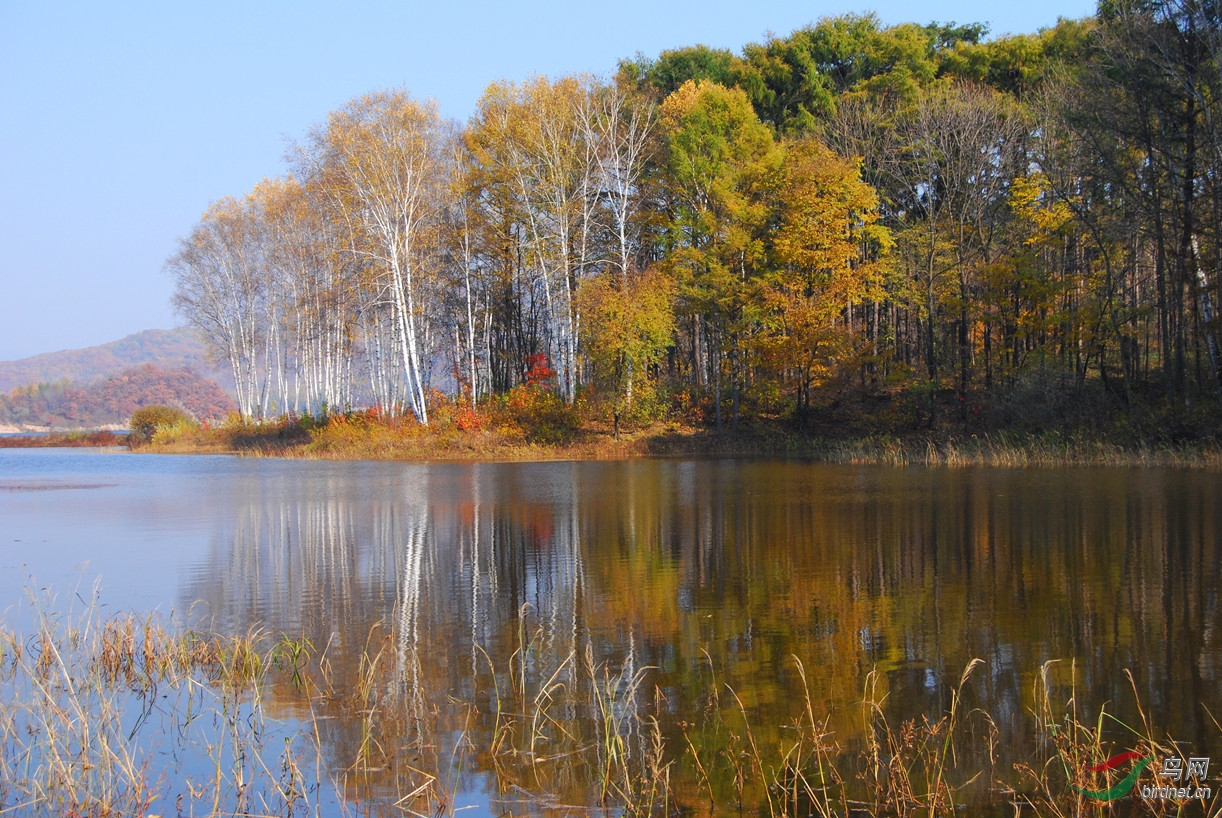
{"x":169,"y":349}
{"x":112,"y":400}
{"x":896,"y":227}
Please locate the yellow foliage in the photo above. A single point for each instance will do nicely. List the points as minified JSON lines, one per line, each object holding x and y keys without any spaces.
{"x":1031,"y":202}
{"x":828,"y":256}
{"x":628,"y":322}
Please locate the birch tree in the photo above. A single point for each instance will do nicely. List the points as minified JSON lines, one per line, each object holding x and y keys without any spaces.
{"x":957,"y":142}
{"x":220,"y":289}
{"x":532,"y":139}
{"x":621,"y":129}
{"x":318,"y":300}
{"x":381,"y":157}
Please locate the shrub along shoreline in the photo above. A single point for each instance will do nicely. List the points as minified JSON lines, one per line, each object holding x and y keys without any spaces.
{"x":76,"y":438}
{"x":561,"y":433}
{"x":480,"y":436}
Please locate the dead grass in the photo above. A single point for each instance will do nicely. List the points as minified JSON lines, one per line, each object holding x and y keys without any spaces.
{"x":106,"y":716}
{"x":365,"y":438}
{"x":98,"y":713}
{"x":101,"y":437}
{"x":1018,"y":450}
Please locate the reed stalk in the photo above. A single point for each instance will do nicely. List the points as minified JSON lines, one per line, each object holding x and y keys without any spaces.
{"x":94,"y":706}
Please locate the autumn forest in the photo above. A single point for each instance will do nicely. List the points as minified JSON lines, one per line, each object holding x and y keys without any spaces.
{"x":891,"y":227}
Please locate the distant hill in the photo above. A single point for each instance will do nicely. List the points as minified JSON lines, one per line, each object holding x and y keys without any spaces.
{"x":112,"y":400}
{"x":167,"y":349}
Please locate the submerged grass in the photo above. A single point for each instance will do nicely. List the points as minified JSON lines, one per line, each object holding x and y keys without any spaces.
{"x":131,"y":715}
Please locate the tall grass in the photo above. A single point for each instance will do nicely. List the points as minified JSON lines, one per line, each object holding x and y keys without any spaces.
{"x":132,"y":715}
{"x":105,"y":716}
{"x":1016,"y":450}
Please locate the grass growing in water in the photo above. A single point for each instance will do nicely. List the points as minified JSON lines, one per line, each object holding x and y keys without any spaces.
{"x":108,"y":716}
{"x":131,"y":715}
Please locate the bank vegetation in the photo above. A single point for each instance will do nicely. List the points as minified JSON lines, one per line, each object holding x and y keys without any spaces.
{"x":905,"y":230}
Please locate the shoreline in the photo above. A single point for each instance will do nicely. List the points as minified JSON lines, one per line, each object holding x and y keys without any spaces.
{"x":345,"y":440}
{"x":83,"y":438}
{"x":30,"y":429}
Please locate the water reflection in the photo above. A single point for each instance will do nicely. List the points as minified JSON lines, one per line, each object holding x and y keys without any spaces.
{"x":480,"y":577}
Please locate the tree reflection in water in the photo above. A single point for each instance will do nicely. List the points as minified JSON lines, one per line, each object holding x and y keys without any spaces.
{"x":706,"y":582}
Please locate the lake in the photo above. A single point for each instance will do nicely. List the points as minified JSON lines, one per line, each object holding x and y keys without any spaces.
{"x":708,"y":611}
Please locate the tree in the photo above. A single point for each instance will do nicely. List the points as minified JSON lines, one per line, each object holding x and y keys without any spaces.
{"x":662,"y":77}
{"x":147,"y":421}
{"x":1158,"y":68}
{"x":381,"y":159}
{"x":718,"y":161}
{"x":796,"y":81}
{"x":315,"y":295}
{"x":957,"y":142}
{"x":220,"y":288}
{"x":532,"y":156}
{"x":629,"y":324}
{"x":827,"y":248}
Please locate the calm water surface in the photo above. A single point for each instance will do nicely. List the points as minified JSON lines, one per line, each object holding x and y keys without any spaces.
{"x":695,"y":574}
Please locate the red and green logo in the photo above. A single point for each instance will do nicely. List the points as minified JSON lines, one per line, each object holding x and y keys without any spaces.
{"x":1122,"y":787}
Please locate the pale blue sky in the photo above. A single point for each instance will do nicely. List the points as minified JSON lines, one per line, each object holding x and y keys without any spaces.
{"x":120,"y":122}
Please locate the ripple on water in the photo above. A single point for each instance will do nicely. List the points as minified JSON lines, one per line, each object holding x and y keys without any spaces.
{"x":52,"y":486}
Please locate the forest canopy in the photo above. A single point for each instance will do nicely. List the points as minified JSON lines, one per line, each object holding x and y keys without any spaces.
{"x":911,"y":217}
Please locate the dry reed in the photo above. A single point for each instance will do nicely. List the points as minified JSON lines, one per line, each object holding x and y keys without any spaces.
{"x":99,"y":712}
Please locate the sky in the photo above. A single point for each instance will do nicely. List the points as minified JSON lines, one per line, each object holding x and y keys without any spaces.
{"x":120,"y":122}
